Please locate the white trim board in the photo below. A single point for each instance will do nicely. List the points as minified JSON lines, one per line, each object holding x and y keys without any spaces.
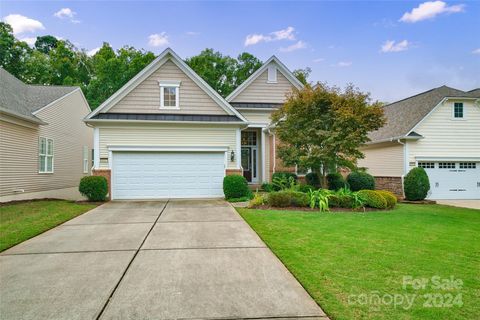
{"x":280,"y":67}
{"x":168,"y":148}
{"x":166,"y":55}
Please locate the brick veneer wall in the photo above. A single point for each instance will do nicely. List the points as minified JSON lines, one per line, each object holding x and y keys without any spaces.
{"x":230,"y":172}
{"x":393,"y":184}
{"x":108,"y":175}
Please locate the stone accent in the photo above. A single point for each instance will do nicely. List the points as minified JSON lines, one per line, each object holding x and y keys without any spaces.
{"x":393,"y":184}
{"x":107,"y":174}
{"x":230,"y":172}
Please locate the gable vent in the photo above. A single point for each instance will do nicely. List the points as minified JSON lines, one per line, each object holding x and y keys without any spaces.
{"x":272,"y":74}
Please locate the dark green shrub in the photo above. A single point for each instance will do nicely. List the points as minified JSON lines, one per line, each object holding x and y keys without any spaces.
{"x":267,"y":187}
{"x":313,"y":179}
{"x":95,"y":188}
{"x":416,"y":184}
{"x":373,"y":199}
{"x":287,"y":199}
{"x":336,"y":181}
{"x":235,"y":186}
{"x":305,"y":188}
{"x":285,"y":175}
{"x":360,"y":181}
{"x":340,"y":201}
{"x":389,"y":197}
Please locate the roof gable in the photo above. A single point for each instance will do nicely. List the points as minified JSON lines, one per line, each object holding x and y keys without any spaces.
{"x":168,"y":55}
{"x":262,"y":71}
{"x":404,"y":115}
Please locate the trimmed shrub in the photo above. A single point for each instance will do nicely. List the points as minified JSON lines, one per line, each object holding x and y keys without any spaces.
{"x":287,"y":199}
{"x":257,"y":201}
{"x":236,"y":186}
{"x":373,"y":199}
{"x":305,"y":188}
{"x":267,"y":187}
{"x":313,"y":179}
{"x":95,"y":188}
{"x":336,"y":181}
{"x":416,"y":184}
{"x":360,"y":181}
{"x":389,"y":197}
{"x":340,"y":201}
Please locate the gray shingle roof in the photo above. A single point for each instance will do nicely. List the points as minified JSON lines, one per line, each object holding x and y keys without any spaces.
{"x":403,"y":115}
{"x":166,"y":117}
{"x":255,"y":105}
{"x":18,"y":98}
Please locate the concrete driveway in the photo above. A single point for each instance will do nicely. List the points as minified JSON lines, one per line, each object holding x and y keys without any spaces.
{"x":472,"y":204}
{"x":184,"y":259}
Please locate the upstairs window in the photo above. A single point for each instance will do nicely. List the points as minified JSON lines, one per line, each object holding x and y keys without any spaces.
{"x":272,"y":74}
{"x":169,"y":94}
{"x":458,"y":110}
{"x":45,"y":155}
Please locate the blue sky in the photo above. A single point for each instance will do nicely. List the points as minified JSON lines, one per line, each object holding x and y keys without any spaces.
{"x":392,"y":49}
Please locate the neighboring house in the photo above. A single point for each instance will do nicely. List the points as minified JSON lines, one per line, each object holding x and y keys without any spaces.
{"x":438,"y":130}
{"x":167,"y":133}
{"x":45,"y":147}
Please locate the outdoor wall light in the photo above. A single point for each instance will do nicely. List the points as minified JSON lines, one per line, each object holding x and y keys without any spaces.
{"x":232,"y":156}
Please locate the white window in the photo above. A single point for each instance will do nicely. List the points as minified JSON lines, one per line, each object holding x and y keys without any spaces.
{"x":45,"y":155}
{"x":427,"y":165}
{"x":85,"y":159}
{"x":169,"y":94}
{"x":272,"y":74}
{"x":446,"y":165}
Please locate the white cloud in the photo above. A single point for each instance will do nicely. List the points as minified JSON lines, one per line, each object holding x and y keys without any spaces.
{"x":429,"y":10}
{"x":318,"y":60}
{"x":296,"y":46}
{"x":476,"y":51}
{"x":284,"y":34}
{"x":158,"y":39}
{"x":192,"y":33}
{"x":392,"y":46}
{"x":29,"y":40}
{"x":92,"y":52}
{"x":21,"y":24}
{"x":344,"y":64}
{"x":65,"y":13}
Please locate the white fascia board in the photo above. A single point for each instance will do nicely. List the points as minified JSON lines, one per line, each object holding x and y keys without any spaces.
{"x":168,"y":148}
{"x":281,"y":67}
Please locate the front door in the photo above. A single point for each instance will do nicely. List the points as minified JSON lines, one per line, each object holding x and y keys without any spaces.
{"x":250,"y":156}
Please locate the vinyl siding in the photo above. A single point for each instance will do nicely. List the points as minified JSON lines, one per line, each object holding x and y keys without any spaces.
{"x":19,"y":148}
{"x":145,"y":98}
{"x":262,"y":92}
{"x":167,"y":135}
{"x":383,"y":160}
{"x":256,"y":116}
{"x":445,"y":137}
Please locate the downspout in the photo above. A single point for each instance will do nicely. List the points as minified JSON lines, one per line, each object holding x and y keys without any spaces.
{"x":405,"y":158}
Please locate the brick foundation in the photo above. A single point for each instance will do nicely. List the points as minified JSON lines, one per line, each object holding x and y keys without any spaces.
{"x":230,"y":172}
{"x":393,"y":184}
{"x":107,"y":174}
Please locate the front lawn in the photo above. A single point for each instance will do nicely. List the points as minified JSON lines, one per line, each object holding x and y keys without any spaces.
{"x":355,"y":264}
{"x":24,"y":220}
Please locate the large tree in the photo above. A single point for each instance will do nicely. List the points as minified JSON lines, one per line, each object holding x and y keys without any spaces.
{"x":324,"y":126}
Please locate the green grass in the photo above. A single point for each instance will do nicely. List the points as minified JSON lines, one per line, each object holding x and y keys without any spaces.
{"x":24,"y":220}
{"x":339,"y":256}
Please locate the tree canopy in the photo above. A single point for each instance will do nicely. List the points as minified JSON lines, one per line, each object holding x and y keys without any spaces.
{"x":53,"y":61}
{"x":323,"y":126}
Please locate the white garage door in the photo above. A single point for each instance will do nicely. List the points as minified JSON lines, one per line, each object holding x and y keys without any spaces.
{"x":153,"y":175}
{"x":453,"y":180}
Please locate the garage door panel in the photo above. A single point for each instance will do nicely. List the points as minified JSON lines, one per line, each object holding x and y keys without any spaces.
{"x":150,"y":175}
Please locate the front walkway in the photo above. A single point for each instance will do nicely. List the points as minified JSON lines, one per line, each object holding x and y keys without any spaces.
{"x":150,"y":260}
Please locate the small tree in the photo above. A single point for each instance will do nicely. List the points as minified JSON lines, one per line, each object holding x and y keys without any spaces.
{"x":416,"y":184}
{"x":324,"y":126}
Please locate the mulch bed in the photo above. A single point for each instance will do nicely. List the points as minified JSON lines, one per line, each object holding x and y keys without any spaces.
{"x":419,"y":201}
{"x":308,"y":209}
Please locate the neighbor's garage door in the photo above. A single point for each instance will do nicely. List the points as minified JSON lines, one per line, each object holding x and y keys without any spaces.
{"x":151,"y":175}
{"x":453,"y":180}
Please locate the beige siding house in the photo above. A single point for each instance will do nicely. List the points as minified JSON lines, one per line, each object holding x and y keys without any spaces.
{"x":438,"y":130}
{"x":168,"y":134}
{"x":45,"y":147}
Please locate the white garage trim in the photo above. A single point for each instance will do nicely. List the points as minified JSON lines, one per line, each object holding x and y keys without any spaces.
{"x":447,"y":159}
{"x":167,"y":148}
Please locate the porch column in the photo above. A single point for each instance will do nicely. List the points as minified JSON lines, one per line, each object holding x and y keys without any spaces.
{"x":262,"y":134}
